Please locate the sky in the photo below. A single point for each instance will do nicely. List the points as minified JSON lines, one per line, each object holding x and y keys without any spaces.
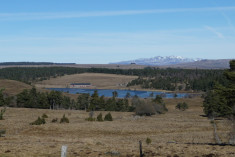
{"x":104,"y":31}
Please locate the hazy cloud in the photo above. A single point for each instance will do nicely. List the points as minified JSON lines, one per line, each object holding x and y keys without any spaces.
{"x":64,"y":15}
{"x":213,"y":30}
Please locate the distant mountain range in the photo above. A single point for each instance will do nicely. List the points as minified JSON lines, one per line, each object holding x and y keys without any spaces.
{"x":179,"y":62}
{"x":159,"y":61}
{"x":204,"y":64}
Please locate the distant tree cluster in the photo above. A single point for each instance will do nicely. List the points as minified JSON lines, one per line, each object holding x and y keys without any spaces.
{"x":166,"y":79}
{"x":34,"y":99}
{"x":100,"y":103}
{"x":56,"y":100}
{"x":31,"y":74}
{"x":180,"y":79}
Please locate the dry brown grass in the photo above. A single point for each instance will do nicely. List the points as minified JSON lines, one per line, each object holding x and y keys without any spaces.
{"x":13,"y":87}
{"x":85,"y":138}
{"x":104,"y":81}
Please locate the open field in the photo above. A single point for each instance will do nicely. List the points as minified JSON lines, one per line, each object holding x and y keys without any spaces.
{"x":169,"y":133}
{"x":13,"y":87}
{"x":98,"y":81}
{"x":104,"y":81}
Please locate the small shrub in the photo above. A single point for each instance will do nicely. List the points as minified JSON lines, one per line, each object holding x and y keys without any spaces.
{"x":64,"y":119}
{"x":54,"y":120}
{"x":99,"y":143}
{"x":148,"y":140}
{"x":160,"y":108}
{"x":145,"y":109}
{"x":100,"y":118}
{"x":158,"y":99}
{"x":39,"y":121}
{"x":91,"y":114}
{"x":2,"y":112}
{"x":175,"y":95}
{"x":182,"y":106}
{"x":131,"y":108}
{"x":108,"y":117}
{"x":2,"y":132}
{"x":44,"y":116}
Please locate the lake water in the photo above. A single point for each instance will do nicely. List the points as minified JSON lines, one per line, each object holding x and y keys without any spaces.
{"x":121,"y":93}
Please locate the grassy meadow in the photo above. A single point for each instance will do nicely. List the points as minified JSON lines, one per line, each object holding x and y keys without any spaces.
{"x":170,"y":133}
{"x":175,"y":133}
{"x":98,"y":80}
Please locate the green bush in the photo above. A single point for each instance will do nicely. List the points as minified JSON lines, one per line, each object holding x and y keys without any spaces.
{"x":2,"y":132}
{"x":54,"y":120}
{"x":2,"y":112}
{"x":182,"y":106}
{"x":39,"y":121}
{"x":160,"y":108}
{"x":146,"y":109}
{"x":44,"y":116}
{"x":150,"y":107}
{"x":108,"y":117}
{"x":148,"y":140}
{"x":175,"y":95}
{"x":64,"y":119}
{"x":100,"y":118}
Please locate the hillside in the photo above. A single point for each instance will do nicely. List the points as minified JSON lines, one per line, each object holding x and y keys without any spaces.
{"x":98,"y":80}
{"x":13,"y":87}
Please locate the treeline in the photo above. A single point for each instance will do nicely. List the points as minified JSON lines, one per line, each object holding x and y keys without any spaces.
{"x":180,"y":79}
{"x":44,"y":100}
{"x":31,"y":74}
{"x":33,"y":63}
{"x":56,"y":100}
{"x":220,"y":101}
{"x":100,"y":103}
{"x":155,"y":78}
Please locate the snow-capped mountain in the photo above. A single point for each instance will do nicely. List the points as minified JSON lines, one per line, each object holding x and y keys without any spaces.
{"x":159,"y":60}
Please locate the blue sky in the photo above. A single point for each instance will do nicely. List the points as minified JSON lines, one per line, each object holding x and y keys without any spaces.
{"x":103,"y":31}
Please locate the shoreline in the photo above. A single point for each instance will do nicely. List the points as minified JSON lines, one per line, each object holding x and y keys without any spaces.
{"x":122,"y":88}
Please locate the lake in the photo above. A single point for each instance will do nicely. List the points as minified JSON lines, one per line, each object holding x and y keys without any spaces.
{"x":121,"y":93}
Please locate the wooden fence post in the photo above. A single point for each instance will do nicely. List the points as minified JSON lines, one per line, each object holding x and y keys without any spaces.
{"x":141,"y":154}
{"x":63,"y":151}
